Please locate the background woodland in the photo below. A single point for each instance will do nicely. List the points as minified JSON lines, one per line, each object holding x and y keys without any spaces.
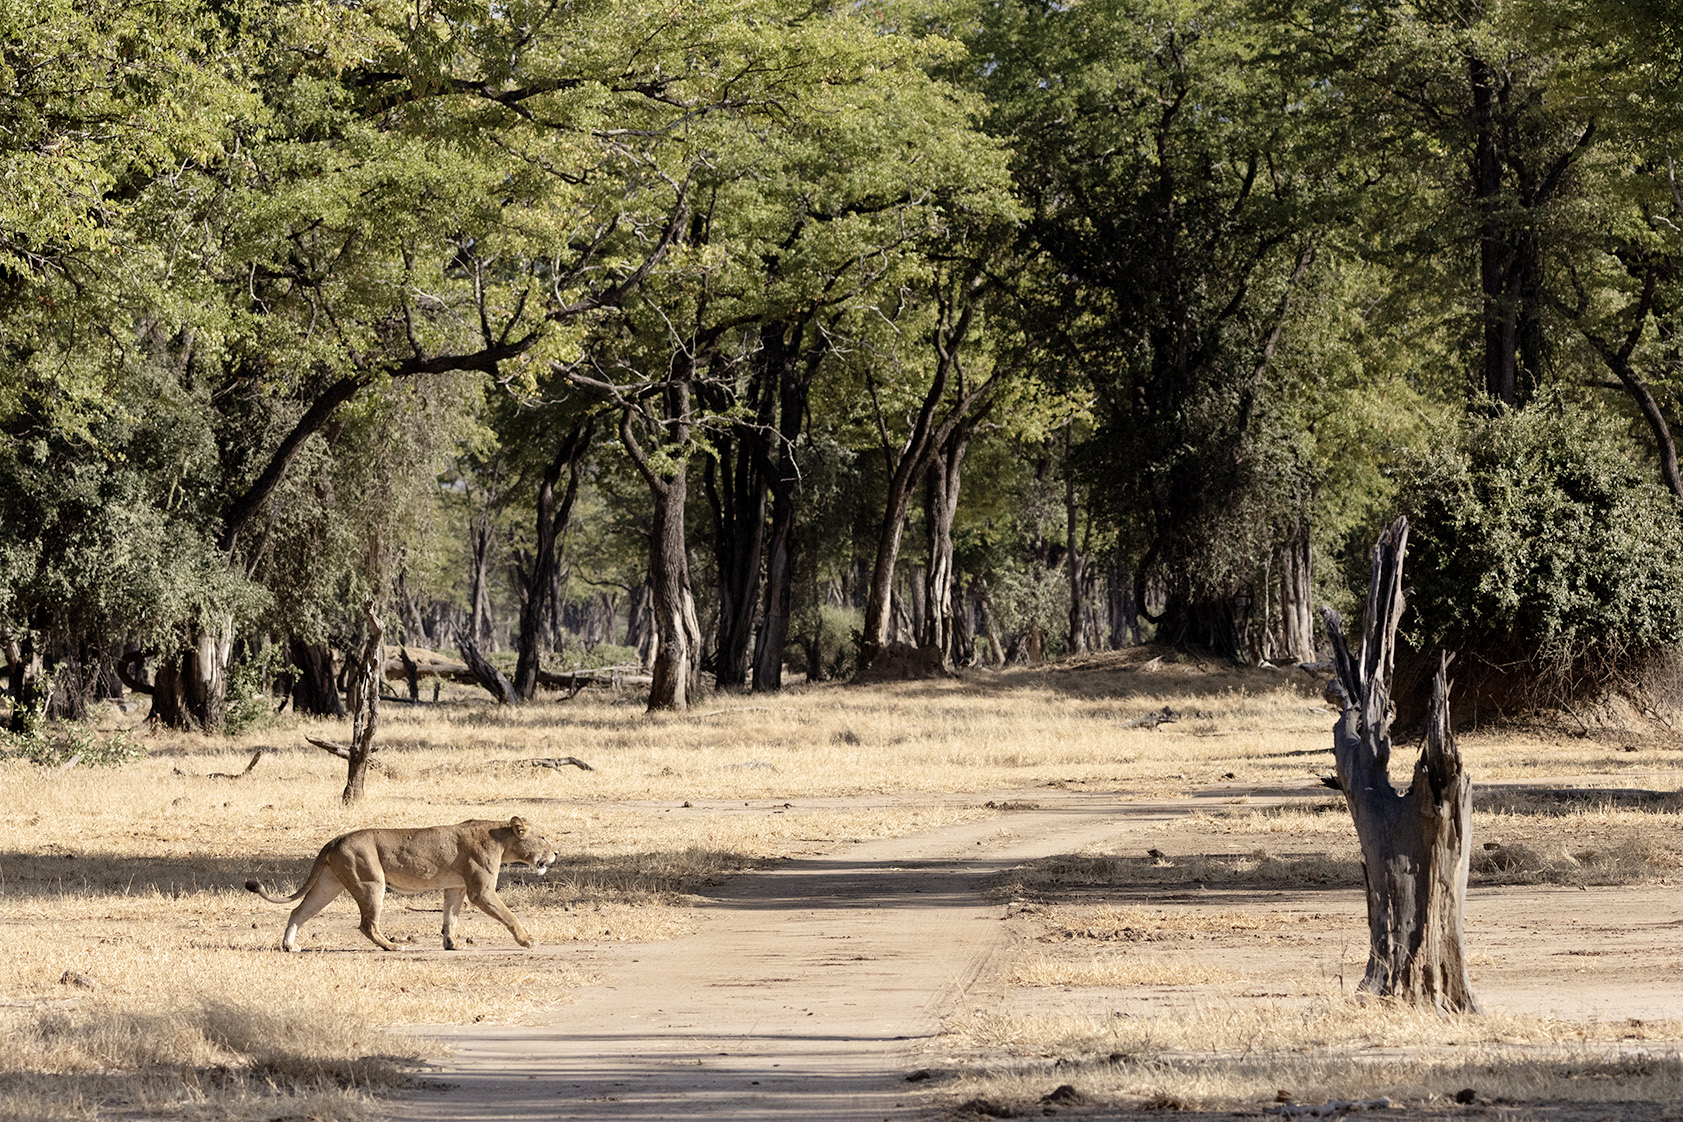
{"x":731,"y":342}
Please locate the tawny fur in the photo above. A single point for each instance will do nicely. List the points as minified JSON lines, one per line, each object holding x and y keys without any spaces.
{"x":463,"y":860}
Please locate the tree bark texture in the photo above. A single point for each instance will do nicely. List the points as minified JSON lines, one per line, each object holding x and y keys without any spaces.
{"x":942,"y":482}
{"x":739,"y":491}
{"x":1297,"y":627}
{"x":796,"y":371}
{"x":676,"y":665}
{"x":1414,"y":844}
{"x":365,"y":703}
{"x":553,"y":516}
{"x":484,"y":673}
{"x":191,"y":687}
{"x":314,"y":691}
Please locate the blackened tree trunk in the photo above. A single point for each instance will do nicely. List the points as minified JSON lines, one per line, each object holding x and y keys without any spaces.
{"x":796,"y":371}
{"x":1414,"y":845}
{"x":365,"y":703}
{"x":314,"y":691}
{"x":739,"y":491}
{"x":484,"y":673}
{"x":553,"y":516}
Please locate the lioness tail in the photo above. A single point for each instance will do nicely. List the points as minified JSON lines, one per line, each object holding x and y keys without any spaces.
{"x":254,"y":886}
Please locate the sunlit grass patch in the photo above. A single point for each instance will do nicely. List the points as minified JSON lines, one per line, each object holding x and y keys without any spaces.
{"x":1117,"y":970}
{"x":206,"y":1059}
{"x":1131,"y":924}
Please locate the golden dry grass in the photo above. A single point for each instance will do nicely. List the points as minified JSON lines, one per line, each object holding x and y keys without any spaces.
{"x":131,"y":876}
{"x":1117,"y":970}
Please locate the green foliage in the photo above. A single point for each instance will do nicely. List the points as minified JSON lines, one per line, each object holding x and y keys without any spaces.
{"x":250,"y":705}
{"x":40,"y":742}
{"x":1537,"y":534}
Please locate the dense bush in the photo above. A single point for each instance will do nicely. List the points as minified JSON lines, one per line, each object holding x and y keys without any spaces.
{"x":1541,"y":536}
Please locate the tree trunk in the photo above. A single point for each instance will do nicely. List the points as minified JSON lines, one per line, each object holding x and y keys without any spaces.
{"x":676,"y":666}
{"x":484,"y":673}
{"x":479,"y":595}
{"x":365,"y":703}
{"x":946,"y":472}
{"x":314,"y":691}
{"x":794,"y":389}
{"x":1414,"y":845}
{"x":1123,"y":610}
{"x":191,"y":687}
{"x":1297,"y":628}
{"x":26,"y":673}
{"x":1076,"y":560}
{"x":739,"y":491}
{"x":552,"y":521}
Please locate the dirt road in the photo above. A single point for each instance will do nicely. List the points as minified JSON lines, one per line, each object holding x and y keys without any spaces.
{"x":804,"y":993}
{"x":810,"y":991}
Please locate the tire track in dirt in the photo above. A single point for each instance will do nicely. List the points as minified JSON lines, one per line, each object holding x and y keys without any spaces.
{"x":805,"y":992}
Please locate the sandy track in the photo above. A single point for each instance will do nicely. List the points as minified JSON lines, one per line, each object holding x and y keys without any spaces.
{"x":803,"y":994}
{"x":810,"y":990}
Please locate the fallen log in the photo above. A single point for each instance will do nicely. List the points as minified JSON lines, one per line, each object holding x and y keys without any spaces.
{"x":553,"y":762}
{"x":343,"y":751}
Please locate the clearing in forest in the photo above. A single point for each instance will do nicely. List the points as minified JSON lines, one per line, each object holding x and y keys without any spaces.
{"x":787,"y":907}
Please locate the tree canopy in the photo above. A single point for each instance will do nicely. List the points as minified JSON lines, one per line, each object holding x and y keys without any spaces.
{"x":737,"y":340}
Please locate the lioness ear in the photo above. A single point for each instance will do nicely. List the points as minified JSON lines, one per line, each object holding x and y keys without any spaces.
{"x":518,"y":824}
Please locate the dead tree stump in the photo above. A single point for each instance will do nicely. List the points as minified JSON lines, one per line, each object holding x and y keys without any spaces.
{"x":1414,"y":845}
{"x":365,"y":703}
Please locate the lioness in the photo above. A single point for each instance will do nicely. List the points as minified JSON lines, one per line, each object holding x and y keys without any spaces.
{"x":463,"y":860}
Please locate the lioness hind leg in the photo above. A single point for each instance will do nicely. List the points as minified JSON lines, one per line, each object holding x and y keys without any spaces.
{"x":369,"y":896}
{"x":453,"y":898}
{"x":323,"y":892}
{"x":487,"y":901}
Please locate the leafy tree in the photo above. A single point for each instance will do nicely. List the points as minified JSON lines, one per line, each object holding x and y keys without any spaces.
{"x":1538,"y":540}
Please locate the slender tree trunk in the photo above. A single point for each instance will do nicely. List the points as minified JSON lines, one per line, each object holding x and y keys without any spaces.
{"x":479,"y":596}
{"x":1414,"y":845}
{"x":1076,"y":561}
{"x":1297,"y":628}
{"x":365,"y":703}
{"x":796,"y":373}
{"x":552,"y":520}
{"x":942,"y":483}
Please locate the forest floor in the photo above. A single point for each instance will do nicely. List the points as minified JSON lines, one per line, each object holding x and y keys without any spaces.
{"x":982,"y":897}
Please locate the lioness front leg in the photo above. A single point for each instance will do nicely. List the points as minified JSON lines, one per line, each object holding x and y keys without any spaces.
{"x":453,"y":898}
{"x":487,"y":901}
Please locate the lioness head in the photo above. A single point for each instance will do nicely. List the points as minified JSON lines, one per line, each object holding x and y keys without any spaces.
{"x":529,"y":846}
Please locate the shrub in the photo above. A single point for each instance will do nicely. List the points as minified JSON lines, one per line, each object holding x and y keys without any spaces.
{"x":1540,"y":536}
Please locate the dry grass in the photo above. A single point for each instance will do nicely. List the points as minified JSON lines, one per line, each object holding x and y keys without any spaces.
{"x":1117,"y":970}
{"x":1215,"y":1054}
{"x":194,"y":1059}
{"x":130,"y":876}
